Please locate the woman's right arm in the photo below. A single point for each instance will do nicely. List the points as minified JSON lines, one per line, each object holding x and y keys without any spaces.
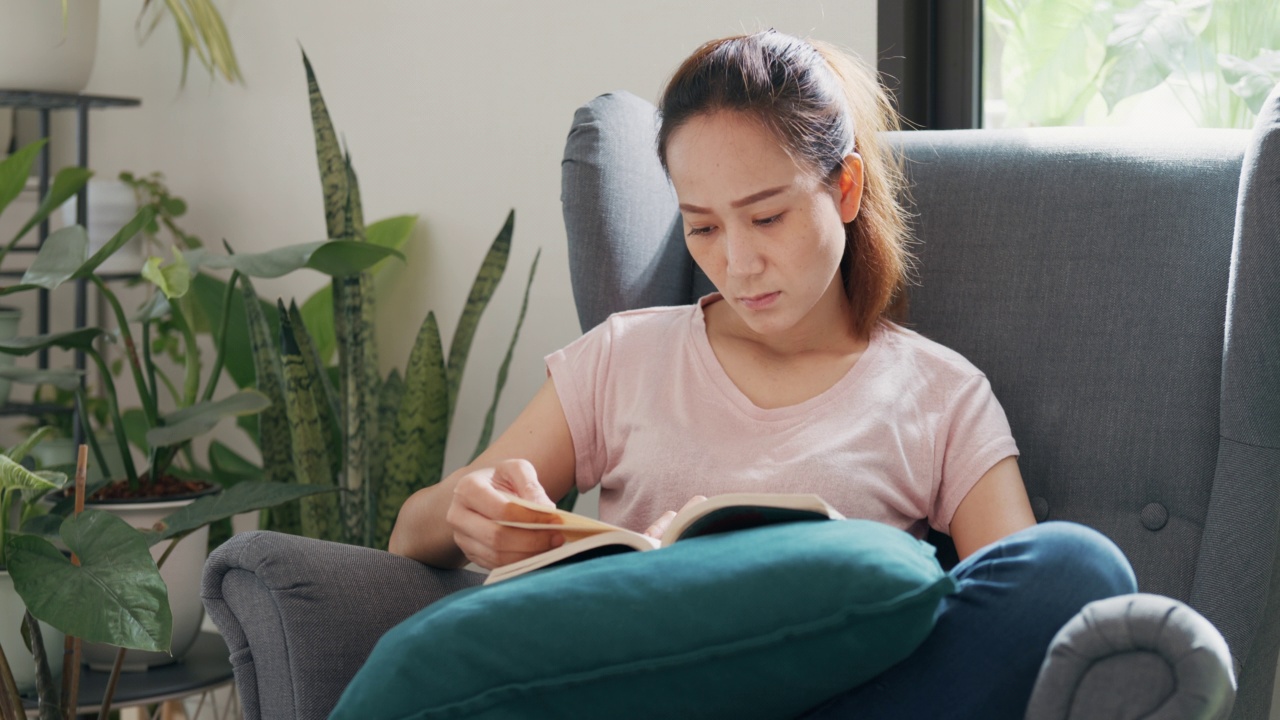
{"x":451,"y":523}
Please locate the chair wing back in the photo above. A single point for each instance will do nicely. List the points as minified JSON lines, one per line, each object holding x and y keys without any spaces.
{"x":1096,"y":277}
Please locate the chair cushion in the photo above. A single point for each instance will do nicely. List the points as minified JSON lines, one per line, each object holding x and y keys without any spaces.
{"x":626,"y":245}
{"x":763,"y":623}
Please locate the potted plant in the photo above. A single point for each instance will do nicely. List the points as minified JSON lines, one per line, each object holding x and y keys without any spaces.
{"x":110,"y":590}
{"x":170,"y":473}
{"x":380,"y":439}
{"x":50,"y":46}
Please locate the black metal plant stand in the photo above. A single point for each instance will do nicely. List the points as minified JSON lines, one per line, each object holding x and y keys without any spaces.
{"x":46,"y":103}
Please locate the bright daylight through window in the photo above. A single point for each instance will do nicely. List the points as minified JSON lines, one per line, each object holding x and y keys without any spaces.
{"x":1151,"y":63}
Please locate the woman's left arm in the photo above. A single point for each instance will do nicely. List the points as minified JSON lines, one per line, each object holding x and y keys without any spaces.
{"x":997,"y":506}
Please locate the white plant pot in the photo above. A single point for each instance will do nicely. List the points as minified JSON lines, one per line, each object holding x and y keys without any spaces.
{"x":38,"y":53}
{"x":21,"y":662}
{"x":10,"y":317}
{"x":181,"y":573}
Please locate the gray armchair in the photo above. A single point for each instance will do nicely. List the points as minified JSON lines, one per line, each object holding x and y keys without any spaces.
{"x":1122,"y":293}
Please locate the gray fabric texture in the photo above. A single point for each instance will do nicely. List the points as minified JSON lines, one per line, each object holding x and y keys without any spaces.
{"x":300,"y":615}
{"x":613,"y":186}
{"x":1135,"y":656}
{"x":1237,"y":580}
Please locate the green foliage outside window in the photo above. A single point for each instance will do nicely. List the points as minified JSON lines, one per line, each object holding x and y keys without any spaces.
{"x":1068,"y":62}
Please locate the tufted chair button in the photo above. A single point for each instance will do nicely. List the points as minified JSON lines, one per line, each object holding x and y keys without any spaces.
{"x":1040,"y":507}
{"x":1154,"y":516}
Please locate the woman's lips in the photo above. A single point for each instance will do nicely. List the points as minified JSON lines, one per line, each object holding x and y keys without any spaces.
{"x":759,"y":302}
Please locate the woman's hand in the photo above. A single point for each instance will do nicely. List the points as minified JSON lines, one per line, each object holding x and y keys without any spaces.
{"x":660,"y":525}
{"x":477,"y":503}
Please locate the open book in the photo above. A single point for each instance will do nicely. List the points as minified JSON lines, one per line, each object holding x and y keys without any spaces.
{"x":586,"y":538}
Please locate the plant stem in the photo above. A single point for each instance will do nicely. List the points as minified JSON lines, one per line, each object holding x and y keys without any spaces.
{"x":110,"y":692}
{"x":10,"y":700}
{"x":191,"y":381}
{"x":89,"y":435}
{"x":126,"y":336}
{"x":50,"y":705}
{"x":149,"y":363}
{"x":173,"y":543}
{"x":113,"y":411}
{"x":219,"y":357}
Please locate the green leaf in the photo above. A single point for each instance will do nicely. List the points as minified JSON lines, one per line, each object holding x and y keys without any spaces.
{"x":1148,"y":43}
{"x":123,"y":235}
{"x":136,"y":427}
{"x":20,"y":451}
{"x":391,"y":232}
{"x":81,"y":339}
{"x":207,"y":293}
{"x":311,"y":460}
{"x":333,"y":172}
{"x":332,"y":257}
{"x":482,"y":289}
{"x":173,"y":280}
{"x":156,"y":307}
{"x":487,"y":432}
{"x":390,"y":397}
{"x":339,"y":258}
{"x":63,"y":252}
{"x":198,"y":419}
{"x":359,"y":386}
{"x":273,"y":423}
{"x":244,"y":497}
{"x":1051,"y":60}
{"x":1252,"y":80}
{"x":64,"y":379}
{"x":15,"y":170}
{"x":44,"y":526}
{"x":317,"y":315}
{"x":66,"y":183}
{"x":115,"y":596}
{"x":229,"y":468}
{"x":317,"y":311}
{"x":416,"y":456}
{"x":13,"y":475}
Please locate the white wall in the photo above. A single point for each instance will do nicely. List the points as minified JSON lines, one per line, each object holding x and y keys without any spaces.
{"x":454,"y":111}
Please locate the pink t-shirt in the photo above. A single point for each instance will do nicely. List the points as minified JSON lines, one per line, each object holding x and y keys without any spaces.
{"x":900,"y":439}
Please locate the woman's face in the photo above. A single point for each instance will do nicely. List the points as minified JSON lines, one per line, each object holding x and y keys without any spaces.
{"x":768,"y":233}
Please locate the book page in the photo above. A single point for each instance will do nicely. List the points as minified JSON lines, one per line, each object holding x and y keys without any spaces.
{"x":739,"y":511}
{"x":592,"y":546}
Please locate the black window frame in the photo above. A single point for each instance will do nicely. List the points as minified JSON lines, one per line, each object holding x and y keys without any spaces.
{"x":929,"y":54}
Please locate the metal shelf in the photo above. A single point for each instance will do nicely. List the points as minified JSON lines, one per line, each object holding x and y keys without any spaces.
{"x":45,"y":103}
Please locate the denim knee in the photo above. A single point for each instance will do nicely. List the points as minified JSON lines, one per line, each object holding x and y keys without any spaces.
{"x":1072,"y":563}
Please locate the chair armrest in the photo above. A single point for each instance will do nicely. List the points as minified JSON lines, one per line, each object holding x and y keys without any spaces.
{"x":1135,"y":656}
{"x":300,"y":616}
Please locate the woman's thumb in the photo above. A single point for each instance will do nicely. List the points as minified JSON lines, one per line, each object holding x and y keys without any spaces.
{"x":525,"y":479}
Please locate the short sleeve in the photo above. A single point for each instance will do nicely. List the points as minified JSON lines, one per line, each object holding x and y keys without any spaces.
{"x":973,"y":435}
{"x":579,"y":372}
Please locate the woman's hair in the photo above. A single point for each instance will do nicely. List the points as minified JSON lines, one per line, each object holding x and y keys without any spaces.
{"x":822,"y":104}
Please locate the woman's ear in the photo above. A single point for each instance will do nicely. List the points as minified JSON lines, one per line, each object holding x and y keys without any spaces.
{"x":850,"y":184}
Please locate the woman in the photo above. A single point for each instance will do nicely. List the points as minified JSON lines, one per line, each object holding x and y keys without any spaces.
{"x":791,"y":378}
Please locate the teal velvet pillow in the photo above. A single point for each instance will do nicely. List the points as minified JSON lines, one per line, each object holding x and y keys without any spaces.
{"x":760,"y":623}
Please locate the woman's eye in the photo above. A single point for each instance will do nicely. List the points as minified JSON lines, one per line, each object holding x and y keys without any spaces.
{"x":771,"y":220}
{"x":700,"y":231}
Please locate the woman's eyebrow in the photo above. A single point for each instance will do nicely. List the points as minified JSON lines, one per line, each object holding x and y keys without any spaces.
{"x":748,"y":200}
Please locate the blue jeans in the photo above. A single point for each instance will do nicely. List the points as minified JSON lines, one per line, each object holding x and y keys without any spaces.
{"x":991,"y":636}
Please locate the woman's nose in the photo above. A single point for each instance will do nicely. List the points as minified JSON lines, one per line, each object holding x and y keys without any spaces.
{"x":742,"y":258}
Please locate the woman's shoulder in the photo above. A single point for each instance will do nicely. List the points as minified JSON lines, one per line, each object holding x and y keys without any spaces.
{"x":648,"y":321}
{"x":909,"y":349}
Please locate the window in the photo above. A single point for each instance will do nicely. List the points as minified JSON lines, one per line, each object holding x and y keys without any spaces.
{"x":1171,"y":63}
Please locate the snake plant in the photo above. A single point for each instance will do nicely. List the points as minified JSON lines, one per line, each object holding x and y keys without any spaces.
{"x":378,"y":439}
